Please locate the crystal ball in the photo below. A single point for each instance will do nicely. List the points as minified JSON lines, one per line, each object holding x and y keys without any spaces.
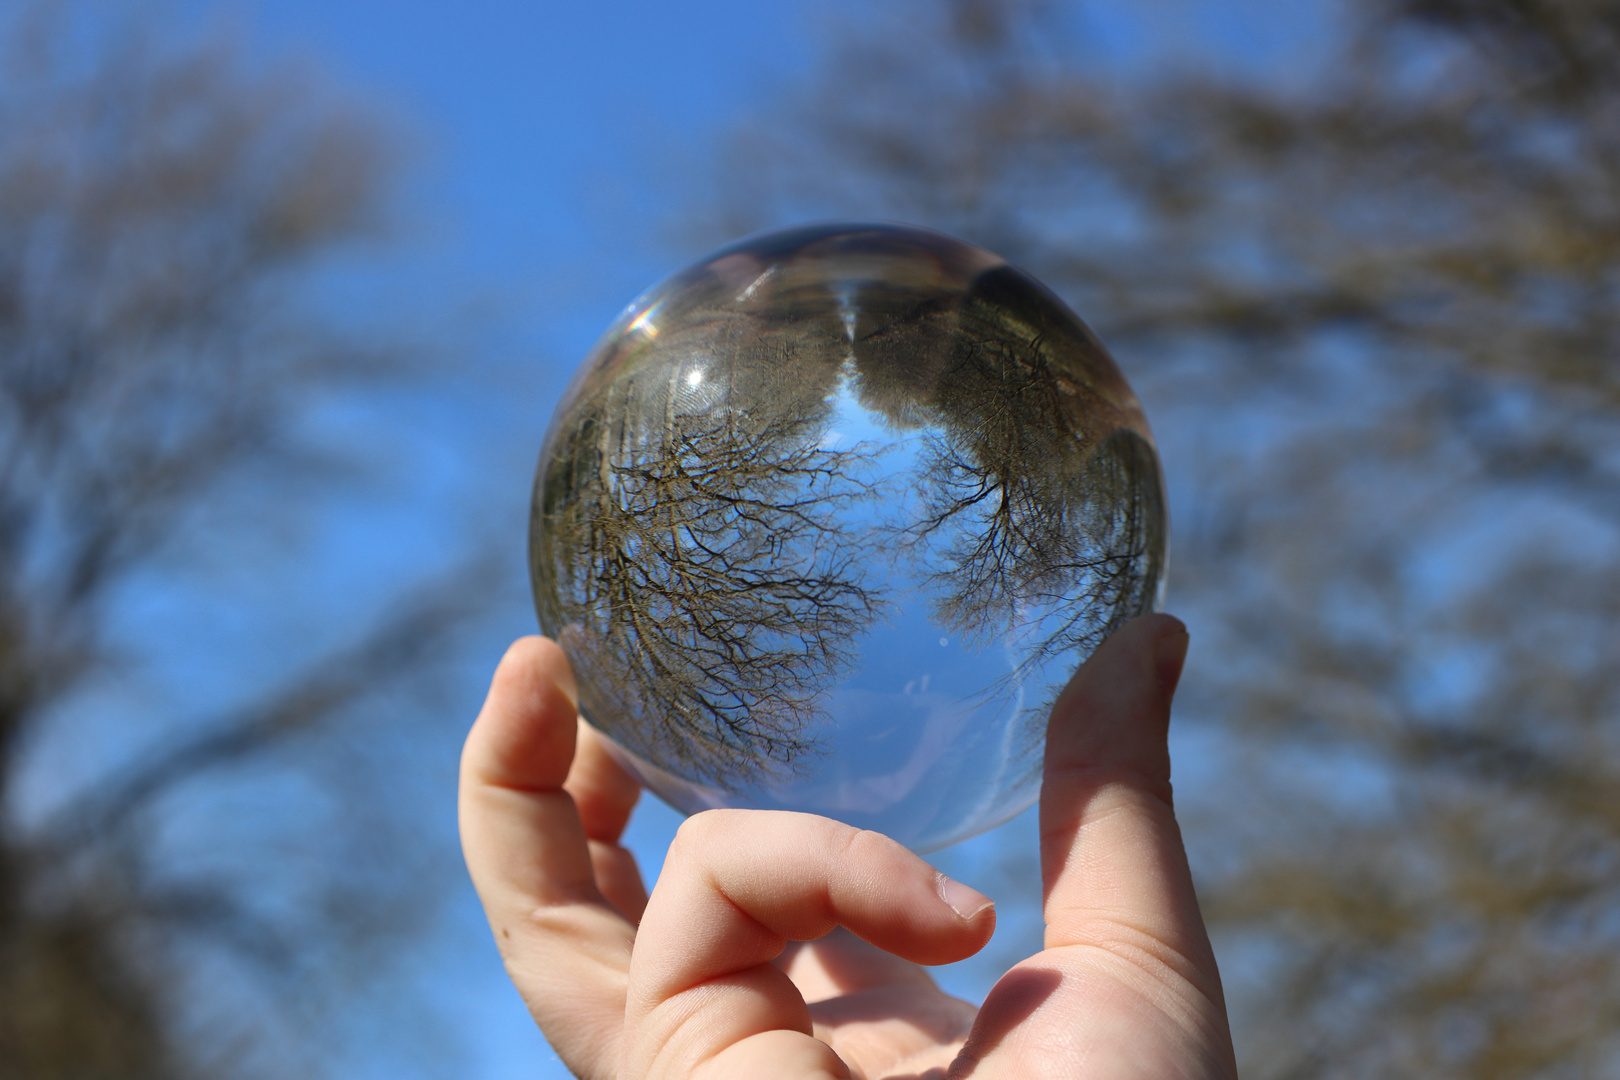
{"x":826,"y":521}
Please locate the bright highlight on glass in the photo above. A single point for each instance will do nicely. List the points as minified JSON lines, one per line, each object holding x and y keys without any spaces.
{"x":826,"y":521}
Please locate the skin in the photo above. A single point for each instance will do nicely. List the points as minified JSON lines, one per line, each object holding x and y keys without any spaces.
{"x":788,"y":945}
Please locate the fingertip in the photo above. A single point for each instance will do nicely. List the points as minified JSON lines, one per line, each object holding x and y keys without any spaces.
{"x":970,"y":925}
{"x":975,"y":921}
{"x":1114,"y":714}
{"x":1146,"y":652}
{"x":968,"y":903}
{"x":1169,"y":652}
{"x":532,"y":658}
{"x":524,"y":735}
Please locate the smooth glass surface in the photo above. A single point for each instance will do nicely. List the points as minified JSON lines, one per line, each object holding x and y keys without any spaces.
{"x":826,"y":521}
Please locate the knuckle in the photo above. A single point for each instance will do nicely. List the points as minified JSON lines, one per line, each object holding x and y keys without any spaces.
{"x":862,"y":844}
{"x":871,"y":845}
{"x":702,"y":830}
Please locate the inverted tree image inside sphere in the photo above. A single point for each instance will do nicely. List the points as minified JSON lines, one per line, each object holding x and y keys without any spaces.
{"x":826,"y":521}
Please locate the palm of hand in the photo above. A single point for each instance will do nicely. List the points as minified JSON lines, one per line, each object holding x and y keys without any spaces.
{"x":903,"y":1027}
{"x":881,"y":1015}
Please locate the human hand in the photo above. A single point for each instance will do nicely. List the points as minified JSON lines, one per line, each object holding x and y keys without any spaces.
{"x":708,"y":978}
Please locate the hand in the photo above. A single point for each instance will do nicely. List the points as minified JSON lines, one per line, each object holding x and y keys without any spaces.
{"x":786,"y":945}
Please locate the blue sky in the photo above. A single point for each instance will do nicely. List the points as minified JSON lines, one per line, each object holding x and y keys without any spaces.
{"x":550,"y":136}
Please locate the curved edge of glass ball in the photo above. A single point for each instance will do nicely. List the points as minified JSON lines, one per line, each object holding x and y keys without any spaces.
{"x":784,"y":456}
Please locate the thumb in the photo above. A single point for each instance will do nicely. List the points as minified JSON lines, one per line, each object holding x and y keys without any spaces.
{"x":1127,"y":984}
{"x":1111,"y":851}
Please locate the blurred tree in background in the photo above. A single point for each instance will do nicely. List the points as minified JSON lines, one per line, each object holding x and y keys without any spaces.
{"x":191,"y":893}
{"x":1371,"y":297}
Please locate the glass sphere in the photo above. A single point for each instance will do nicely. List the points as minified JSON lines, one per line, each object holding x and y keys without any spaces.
{"x":826,"y":521}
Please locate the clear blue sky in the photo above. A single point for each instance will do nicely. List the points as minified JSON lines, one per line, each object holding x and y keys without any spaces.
{"x":551,"y":135}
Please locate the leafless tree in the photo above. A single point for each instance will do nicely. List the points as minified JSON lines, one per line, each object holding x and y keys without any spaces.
{"x":1041,"y":484}
{"x":161,"y":211}
{"x":1040,"y":507}
{"x":694,"y":558}
{"x":712,"y":560}
{"x":1370,"y":300}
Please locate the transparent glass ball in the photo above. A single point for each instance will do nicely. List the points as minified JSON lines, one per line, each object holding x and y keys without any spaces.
{"x":826,"y":521}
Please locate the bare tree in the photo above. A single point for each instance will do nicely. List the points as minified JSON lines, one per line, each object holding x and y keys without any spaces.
{"x":1041,"y":511}
{"x":161,"y":211}
{"x":691,"y":552}
{"x":1372,"y":307}
{"x":712,"y":560}
{"x":1042,"y":482}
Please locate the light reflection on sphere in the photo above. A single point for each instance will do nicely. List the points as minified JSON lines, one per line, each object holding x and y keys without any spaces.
{"x":826,"y":521}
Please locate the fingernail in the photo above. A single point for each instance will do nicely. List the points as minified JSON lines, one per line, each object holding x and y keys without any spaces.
{"x":964,"y":901}
{"x":1169,"y":655}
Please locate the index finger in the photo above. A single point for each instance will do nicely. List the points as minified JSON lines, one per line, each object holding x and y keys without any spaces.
{"x":565,"y":946}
